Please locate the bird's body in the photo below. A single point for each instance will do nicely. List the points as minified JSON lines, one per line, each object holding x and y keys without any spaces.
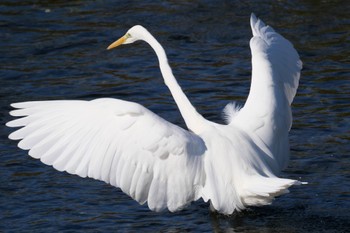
{"x":124,"y":144}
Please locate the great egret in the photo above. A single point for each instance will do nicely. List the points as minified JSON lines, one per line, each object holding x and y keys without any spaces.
{"x":126,"y":145}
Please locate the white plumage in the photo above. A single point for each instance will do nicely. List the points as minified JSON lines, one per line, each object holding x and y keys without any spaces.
{"x":154,"y":161}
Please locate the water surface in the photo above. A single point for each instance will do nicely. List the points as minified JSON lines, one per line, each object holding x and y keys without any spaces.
{"x":56,"y":50}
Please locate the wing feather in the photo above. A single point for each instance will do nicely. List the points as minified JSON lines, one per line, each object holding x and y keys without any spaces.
{"x":266,"y":114}
{"x":119,"y":142}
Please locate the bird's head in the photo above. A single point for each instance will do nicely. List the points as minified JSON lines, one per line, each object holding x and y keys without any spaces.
{"x":133,"y":34}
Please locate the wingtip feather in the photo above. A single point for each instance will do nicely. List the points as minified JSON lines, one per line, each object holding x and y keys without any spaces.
{"x":18,"y":104}
{"x":13,"y":136}
{"x":10,"y":124}
{"x":253,"y":18}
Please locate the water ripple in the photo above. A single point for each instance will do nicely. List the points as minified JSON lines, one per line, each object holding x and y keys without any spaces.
{"x":56,"y":50}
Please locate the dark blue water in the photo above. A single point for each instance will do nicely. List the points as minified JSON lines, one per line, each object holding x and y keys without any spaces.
{"x":56,"y":50}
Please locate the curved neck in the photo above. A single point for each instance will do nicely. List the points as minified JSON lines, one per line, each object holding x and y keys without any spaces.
{"x":194,"y":121}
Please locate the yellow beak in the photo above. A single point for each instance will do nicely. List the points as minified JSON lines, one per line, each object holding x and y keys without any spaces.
{"x":116,"y":43}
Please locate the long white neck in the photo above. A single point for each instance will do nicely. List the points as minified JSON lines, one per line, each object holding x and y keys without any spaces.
{"x":194,"y":121}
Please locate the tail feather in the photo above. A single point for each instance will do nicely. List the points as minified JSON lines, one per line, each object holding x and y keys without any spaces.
{"x":262,"y":190}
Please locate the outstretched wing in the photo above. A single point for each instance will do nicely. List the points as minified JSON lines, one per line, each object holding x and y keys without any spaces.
{"x":119,"y":142}
{"x":275,"y":76}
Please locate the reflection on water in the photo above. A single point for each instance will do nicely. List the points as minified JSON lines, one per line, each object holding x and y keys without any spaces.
{"x":56,"y":50}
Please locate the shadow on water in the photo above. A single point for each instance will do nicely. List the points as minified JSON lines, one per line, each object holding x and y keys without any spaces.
{"x":278,"y":219}
{"x":56,"y":50}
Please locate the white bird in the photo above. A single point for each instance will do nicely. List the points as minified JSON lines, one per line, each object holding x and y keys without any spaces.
{"x":152,"y":160}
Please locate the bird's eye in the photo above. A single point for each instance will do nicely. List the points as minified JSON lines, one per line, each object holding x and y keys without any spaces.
{"x":128,"y":35}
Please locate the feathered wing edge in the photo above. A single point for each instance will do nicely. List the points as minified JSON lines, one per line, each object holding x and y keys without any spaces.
{"x":276,"y":73}
{"x":283,"y":54}
{"x":266,"y":115}
{"x":119,"y":142}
